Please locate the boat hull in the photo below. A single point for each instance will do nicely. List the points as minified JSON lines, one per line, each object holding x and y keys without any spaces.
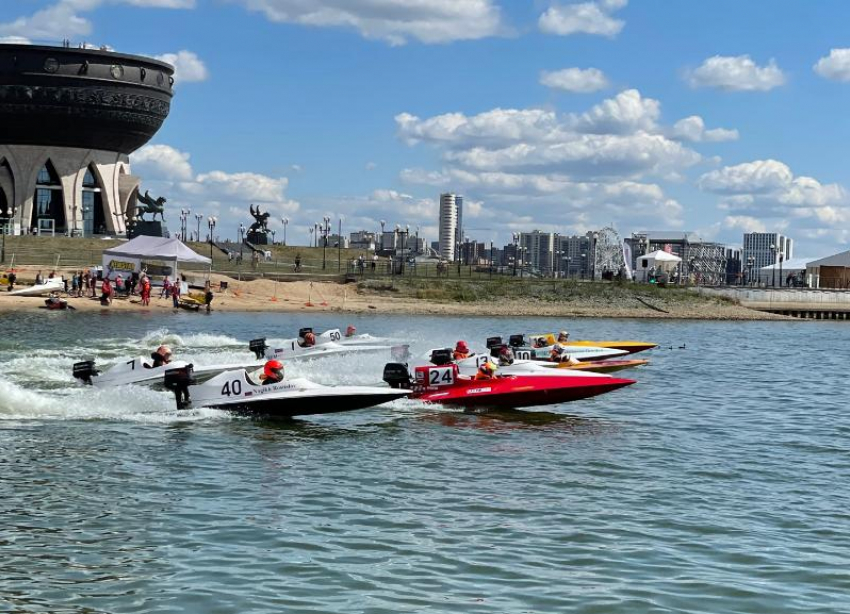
{"x":518,"y":391}
{"x":292,"y":407}
{"x":632,"y":347}
{"x":605,"y":366}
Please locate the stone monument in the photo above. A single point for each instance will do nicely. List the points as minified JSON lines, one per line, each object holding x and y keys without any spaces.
{"x":258,"y":233}
{"x":137,"y":225}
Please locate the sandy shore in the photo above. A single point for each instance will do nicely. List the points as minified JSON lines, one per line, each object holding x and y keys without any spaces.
{"x":270,"y":296}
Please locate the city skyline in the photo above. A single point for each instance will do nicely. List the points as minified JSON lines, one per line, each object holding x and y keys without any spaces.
{"x":562,"y":116}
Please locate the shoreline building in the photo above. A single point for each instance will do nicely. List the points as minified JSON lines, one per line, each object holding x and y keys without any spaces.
{"x":703,"y":262}
{"x":451,"y":226}
{"x":69,"y":119}
{"x":757,"y":252}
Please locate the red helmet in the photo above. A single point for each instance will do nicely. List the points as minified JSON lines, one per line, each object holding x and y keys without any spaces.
{"x":310,"y":338}
{"x":350,"y":331}
{"x":164,"y":352}
{"x":461,"y":347}
{"x":273,"y":369}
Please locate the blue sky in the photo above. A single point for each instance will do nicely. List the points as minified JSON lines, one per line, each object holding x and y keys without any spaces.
{"x":717,"y":117}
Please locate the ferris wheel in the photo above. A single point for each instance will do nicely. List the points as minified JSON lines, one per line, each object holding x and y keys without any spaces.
{"x":607,"y":253}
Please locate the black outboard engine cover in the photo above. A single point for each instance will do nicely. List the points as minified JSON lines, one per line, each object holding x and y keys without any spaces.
{"x":84,"y":371}
{"x":304,"y":331}
{"x":493,"y":342}
{"x":442,"y":357}
{"x":178,"y":382}
{"x":396,"y":375}
{"x":496,"y":350}
{"x":259,"y":347}
{"x":516,"y":341}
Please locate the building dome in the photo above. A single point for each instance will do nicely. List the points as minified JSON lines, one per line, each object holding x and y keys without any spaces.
{"x":84,"y":98}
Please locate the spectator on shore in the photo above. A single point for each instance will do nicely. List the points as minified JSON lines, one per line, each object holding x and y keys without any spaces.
{"x":39,"y":279}
{"x":208,"y":295}
{"x":175,"y":294}
{"x":119,"y":285}
{"x":106,"y":292}
{"x":145,"y":283}
{"x":166,"y":288}
{"x":12,"y":279}
{"x":65,"y":284}
{"x":74,"y":284}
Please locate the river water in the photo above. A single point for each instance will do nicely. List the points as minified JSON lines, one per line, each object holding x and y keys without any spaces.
{"x":717,"y":483}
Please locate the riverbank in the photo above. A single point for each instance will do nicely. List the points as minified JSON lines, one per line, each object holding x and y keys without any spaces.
{"x":435,"y":297}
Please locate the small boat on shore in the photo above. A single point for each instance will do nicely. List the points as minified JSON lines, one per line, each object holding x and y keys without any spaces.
{"x":49,"y":285}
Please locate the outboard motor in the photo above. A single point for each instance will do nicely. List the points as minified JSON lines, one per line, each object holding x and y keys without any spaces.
{"x":493,"y":342}
{"x":84,"y":371}
{"x":178,"y":382}
{"x":442,"y":357}
{"x":396,"y":375}
{"x":259,"y":347}
{"x":516,"y":341}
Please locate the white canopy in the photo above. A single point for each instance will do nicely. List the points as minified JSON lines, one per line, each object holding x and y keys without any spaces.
{"x":128,"y":257}
{"x":655,"y":262}
{"x":156,"y":248}
{"x":660,"y":256}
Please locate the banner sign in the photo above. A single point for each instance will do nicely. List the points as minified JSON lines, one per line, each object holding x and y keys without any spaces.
{"x":122,"y":265}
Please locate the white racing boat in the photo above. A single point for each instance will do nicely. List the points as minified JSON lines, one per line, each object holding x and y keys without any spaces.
{"x":523,"y":351}
{"x":293,"y":349}
{"x":49,"y":285}
{"x":469,"y":366}
{"x":140,"y":370}
{"x":241,"y":392}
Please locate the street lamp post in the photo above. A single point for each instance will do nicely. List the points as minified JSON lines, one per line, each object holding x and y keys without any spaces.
{"x":781,"y":258}
{"x":515,"y":237}
{"x":569,"y":260}
{"x":751,"y":261}
{"x":285,"y":221}
{"x":325,"y":230}
{"x":339,"y":246}
{"x":184,"y":215}
{"x":198,"y":217}
{"x":773,"y":264}
{"x":211,"y":222}
{"x":273,"y":231}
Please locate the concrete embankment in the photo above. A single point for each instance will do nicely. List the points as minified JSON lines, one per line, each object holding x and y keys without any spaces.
{"x":819,"y":304}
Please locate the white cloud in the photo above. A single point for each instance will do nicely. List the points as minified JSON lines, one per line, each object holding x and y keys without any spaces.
{"x":618,"y":137}
{"x":63,"y":20}
{"x":584,"y":18}
{"x":168,"y":172}
{"x":626,"y":113}
{"x":739,"y":73}
{"x":51,"y":23}
{"x":693,"y":129}
{"x":768,"y":188}
{"x":744,"y":223}
{"x":836,"y":66}
{"x":580,"y":81}
{"x":162,"y":162}
{"x":188,"y":67}
{"x":370,"y":166}
{"x":394,"y":21}
{"x":15,"y":40}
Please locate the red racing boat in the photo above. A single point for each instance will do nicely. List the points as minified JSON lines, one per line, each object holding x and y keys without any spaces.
{"x":442,"y":384}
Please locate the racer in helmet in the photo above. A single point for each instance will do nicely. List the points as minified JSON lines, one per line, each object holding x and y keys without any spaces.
{"x":563,"y":336}
{"x":272,"y":372}
{"x":461,"y":351}
{"x":308,"y":341}
{"x":506,"y":356}
{"x":559,"y":354}
{"x":486,"y":371}
{"x":161,"y":357}
{"x":350,"y":331}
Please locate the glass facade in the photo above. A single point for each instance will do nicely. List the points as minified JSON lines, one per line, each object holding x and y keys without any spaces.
{"x":48,"y":205}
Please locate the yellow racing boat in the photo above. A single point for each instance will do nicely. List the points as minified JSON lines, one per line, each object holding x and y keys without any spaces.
{"x":632,"y":347}
{"x":604,"y":366}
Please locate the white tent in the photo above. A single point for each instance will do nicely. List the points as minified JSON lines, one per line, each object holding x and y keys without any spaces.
{"x":128,"y":257}
{"x":656,"y":262}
